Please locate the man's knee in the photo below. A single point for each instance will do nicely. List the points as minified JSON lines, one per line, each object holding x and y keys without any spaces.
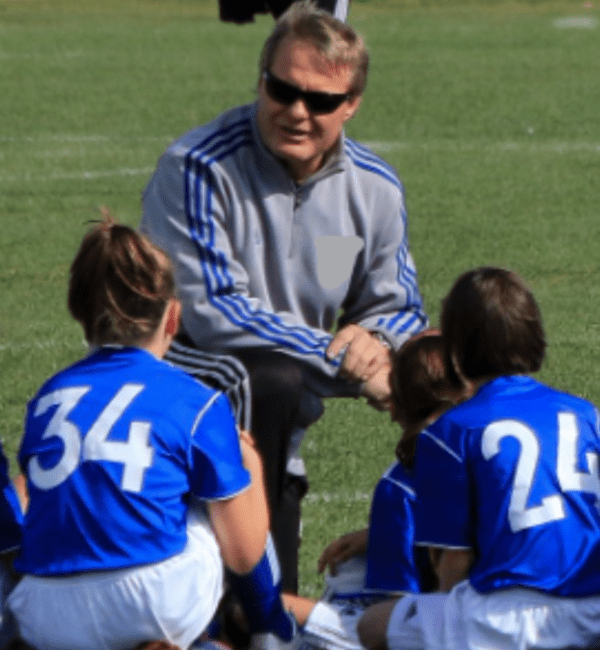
{"x":273,"y":376}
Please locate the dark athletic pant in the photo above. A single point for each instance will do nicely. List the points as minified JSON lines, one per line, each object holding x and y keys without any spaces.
{"x":277,"y":387}
{"x":269,"y":385}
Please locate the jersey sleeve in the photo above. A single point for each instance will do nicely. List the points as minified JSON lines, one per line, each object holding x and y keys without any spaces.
{"x":390,"y":557}
{"x":216,"y":467}
{"x":443,"y":505}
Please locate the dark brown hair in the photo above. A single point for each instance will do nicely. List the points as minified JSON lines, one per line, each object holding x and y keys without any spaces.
{"x":420,"y":388}
{"x":491,"y":326}
{"x":119,"y":285}
{"x":334,"y":39}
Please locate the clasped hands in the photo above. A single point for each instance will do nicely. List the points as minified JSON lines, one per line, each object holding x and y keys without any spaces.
{"x":366,"y":360}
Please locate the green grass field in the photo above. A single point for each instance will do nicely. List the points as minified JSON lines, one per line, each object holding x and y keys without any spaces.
{"x":488,"y":109}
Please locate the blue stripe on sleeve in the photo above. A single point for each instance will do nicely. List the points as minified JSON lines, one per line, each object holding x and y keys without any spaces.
{"x":363,"y":157}
{"x":412,"y":320}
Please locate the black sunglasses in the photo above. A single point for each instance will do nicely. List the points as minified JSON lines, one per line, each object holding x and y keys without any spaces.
{"x":316,"y":102}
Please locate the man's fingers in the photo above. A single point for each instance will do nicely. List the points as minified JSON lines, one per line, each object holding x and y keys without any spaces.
{"x":366,"y":362}
{"x":362,"y":354}
{"x":377,"y":389}
{"x":342,"y":340}
{"x":364,"y":358}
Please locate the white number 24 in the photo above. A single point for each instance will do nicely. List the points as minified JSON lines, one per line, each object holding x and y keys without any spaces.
{"x":135,"y":454}
{"x":551,"y":507}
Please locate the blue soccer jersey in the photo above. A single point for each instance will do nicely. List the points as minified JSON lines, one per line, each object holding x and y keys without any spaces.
{"x":393,"y":564}
{"x":513,"y":474}
{"x":113,"y":447}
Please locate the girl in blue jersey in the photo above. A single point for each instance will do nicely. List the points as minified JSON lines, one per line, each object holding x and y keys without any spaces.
{"x":140,"y":484}
{"x":508,"y":489}
{"x":421,"y":391}
{"x":378,"y":562}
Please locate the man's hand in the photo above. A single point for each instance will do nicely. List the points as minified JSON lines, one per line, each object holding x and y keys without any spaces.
{"x":363,"y":354}
{"x":378,"y":390}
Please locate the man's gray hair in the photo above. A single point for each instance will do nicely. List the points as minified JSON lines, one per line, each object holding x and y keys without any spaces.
{"x":337,"y":41}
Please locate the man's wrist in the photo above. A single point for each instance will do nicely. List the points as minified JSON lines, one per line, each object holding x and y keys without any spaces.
{"x":382,"y":339}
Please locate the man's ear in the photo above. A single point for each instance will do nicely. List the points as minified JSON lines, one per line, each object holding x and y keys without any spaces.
{"x":352,"y":106}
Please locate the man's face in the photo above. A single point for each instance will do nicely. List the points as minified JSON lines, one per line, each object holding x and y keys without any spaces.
{"x":299,"y":137}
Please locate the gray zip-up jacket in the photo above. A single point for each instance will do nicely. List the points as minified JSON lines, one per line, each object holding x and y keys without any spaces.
{"x":261,"y":262}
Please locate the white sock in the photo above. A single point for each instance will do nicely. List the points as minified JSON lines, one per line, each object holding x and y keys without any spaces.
{"x":326,"y":628}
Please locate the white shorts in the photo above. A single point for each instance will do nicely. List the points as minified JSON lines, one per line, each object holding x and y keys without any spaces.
{"x":172,"y":600}
{"x":350,"y":577}
{"x":510,"y":619}
{"x":333,"y":621}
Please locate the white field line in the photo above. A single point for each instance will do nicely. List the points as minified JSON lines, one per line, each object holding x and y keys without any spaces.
{"x":561,"y":148}
{"x":43,"y":345}
{"x":378,"y":145}
{"x":64,"y":137}
{"x":74,"y":176}
{"x":585,"y":22}
{"x":449,"y":145}
{"x":577,"y":22}
{"x":335,"y":497}
{"x":73,"y":54}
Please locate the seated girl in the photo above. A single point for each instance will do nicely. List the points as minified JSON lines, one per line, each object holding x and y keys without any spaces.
{"x":140,"y":485}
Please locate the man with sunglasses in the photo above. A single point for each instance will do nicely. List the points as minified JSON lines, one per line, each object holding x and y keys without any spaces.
{"x":278,"y":226}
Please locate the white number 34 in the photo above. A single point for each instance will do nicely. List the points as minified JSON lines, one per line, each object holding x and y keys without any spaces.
{"x":135,"y":454}
{"x":569,"y":478}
